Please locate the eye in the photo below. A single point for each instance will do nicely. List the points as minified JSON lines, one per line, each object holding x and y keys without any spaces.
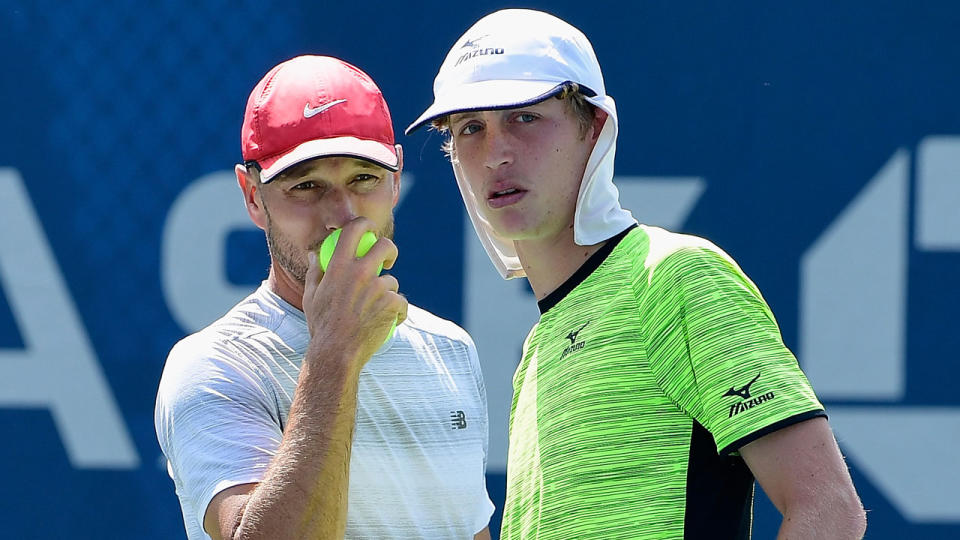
{"x":309,"y":184}
{"x":365,"y":181}
{"x":525,"y":117}
{"x":469,"y":129}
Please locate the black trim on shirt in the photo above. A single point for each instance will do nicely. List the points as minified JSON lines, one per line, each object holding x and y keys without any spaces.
{"x":583,"y":272}
{"x":795,"y":419}
{"x":719,"y":495}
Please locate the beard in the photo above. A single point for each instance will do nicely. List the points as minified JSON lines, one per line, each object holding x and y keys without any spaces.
{"x":291,"y":257}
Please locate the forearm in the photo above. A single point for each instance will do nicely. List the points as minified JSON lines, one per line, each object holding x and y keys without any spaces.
{"x":304,"y":491}
{"x":843,"y":520}
{"x":801,"y":469}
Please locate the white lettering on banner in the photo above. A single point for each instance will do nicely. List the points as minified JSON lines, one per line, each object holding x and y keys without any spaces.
{"x":853,"y":290}
{"x":194,"y":256}
{"x":195,"y":284}
{"x":857,"y":271}
{"x":499,"y":313}
{"x":57,"y":369}
{"x":938,"y":194}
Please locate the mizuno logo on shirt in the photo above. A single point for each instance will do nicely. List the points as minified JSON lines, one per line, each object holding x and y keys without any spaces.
{"x":572,"y":336}
{"x":574,"y":344}
{"x":744,"y":394}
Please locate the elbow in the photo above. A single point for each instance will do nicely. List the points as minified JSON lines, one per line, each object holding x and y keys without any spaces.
{"x":852,"y":516}
{"x":839,"y":517}
{"x":857,"y":520}
{"x":849,"y":519}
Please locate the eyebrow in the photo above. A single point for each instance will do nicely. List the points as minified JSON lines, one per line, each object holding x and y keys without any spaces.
{"x":293,"y":173}
{"x":301,"y":170}
{"x":364,"y":164}
{"x":457,"y":117}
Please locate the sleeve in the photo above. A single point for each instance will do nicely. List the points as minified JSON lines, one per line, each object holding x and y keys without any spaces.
{"x":485,"y":506}
{"x":216,"y":422}
{"x":717,"y":352}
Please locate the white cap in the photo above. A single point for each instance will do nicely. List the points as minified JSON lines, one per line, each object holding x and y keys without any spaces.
{"x":516,"y":57}
{"x":512,"y":58}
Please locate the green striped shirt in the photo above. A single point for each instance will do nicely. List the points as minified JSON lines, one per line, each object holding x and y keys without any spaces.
{"x":646,"y":373}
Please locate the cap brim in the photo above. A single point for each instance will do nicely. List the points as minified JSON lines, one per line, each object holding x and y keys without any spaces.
{"x":487,"y":95}
{"x":378,"y":153}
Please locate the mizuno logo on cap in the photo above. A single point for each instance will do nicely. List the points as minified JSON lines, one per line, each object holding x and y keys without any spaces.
{"x":477,"y":51}
{"x":473,"y":42}
{"x":309,"y":112}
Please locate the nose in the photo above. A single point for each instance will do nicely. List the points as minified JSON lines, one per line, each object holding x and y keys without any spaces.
{"x":498,"y":147}
{"x":341,"y":208}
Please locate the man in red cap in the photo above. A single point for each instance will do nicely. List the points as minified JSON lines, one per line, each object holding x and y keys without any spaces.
{"x":299,"y":414}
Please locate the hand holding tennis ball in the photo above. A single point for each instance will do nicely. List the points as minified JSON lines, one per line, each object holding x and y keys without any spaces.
{"x":366,"y":242}
{"x":330,"y":243}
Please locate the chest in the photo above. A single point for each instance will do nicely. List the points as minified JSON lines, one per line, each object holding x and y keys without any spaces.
{"x":406,"y":395}
{"x":585,"y":382}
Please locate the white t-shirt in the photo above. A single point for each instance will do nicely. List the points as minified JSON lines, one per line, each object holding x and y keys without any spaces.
{"x":420,"y":445}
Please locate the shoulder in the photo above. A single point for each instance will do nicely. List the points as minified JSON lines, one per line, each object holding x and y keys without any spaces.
{"x":664,"y":245}
{"x":668,"y":256}
{"x":201,"y":363}
{"x":429,"y":325}
{"x":218,"y":356}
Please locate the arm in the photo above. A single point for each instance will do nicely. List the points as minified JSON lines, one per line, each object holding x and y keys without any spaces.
{"x":802,"y":471}
{"x":304,"y":491}
{"x":483,"y":535}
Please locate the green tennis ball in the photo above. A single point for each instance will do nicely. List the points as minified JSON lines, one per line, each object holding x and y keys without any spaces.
{"x":366,"y":242}
{"x":330,"y":243}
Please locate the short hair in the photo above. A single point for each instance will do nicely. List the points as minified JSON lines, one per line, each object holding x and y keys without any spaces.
{"x":570,"y":93}
{"x":253,"y":170}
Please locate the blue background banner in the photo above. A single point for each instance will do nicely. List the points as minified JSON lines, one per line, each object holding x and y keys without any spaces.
{"x":817,"y":142}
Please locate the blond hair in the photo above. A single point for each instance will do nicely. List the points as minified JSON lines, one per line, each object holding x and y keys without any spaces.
{"x":570,"y":93}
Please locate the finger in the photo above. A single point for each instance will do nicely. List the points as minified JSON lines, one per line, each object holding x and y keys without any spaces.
{"x":313,"y":270}
{"x":389,"y":282}
{"x":383,"y":252}
{"x":402,"y":313}
{"x":383,"y":294}
{"x":350,"y":234}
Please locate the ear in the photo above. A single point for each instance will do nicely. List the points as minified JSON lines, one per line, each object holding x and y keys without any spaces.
{"x":396,"y":175}
{"x":599,"y":119}
{"x":250,"y":186}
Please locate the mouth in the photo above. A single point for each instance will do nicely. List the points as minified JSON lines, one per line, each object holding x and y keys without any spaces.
{"x":505,"y":197}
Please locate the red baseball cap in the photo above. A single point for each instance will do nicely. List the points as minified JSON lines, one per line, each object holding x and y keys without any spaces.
{"x":316,"y":106}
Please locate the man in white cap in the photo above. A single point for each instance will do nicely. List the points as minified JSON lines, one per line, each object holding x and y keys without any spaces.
{"x":655,"y":386}
{"x":299,"y":414}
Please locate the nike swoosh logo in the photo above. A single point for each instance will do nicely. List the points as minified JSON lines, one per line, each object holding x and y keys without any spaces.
{"x":309,"y":112}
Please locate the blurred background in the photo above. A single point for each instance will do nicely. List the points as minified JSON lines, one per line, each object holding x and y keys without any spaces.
{"x":817,"y":142}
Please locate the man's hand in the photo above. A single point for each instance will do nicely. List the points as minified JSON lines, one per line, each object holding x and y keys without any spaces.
{"x":349,"y":314}
{"x":351,"y":304}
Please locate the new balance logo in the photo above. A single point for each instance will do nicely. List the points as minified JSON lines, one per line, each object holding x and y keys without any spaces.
{"x":458,"y":419}
{"x":744,"y":394}
{"x":574,"y":344}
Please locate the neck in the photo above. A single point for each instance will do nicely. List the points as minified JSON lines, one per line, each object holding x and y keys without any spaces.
{"x":550,"y":262}
{"x":285,"y":286}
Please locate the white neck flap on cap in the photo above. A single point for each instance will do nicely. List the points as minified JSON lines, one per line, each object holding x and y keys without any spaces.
{"x":598,"y":216}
